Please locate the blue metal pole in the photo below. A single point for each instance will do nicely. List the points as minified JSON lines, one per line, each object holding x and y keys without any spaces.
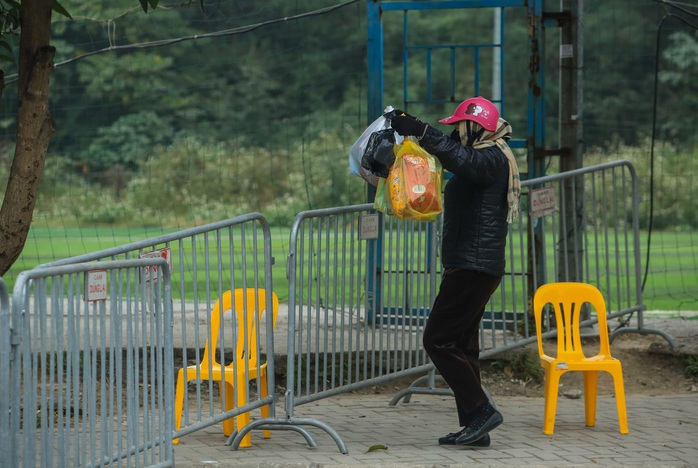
{"x":375,"y":61}
{"x":374,"y":261}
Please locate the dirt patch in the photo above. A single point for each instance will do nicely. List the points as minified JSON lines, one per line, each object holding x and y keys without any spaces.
{"x":650,"y":367}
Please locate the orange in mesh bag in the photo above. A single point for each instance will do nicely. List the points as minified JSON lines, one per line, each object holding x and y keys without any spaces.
{"x":415,"y":183}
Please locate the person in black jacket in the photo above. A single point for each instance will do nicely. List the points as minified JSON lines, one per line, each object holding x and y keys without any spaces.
{"x":480,"y":200}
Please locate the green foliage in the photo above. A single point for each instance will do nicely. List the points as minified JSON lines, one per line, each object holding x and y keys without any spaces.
{"x":9,"y":26}
{"x":692,"y":367}
{"x":674,"y":207}
{"x":683,"y":55}
{"x":261,"y":118}
{"x":146,"y":3}
{"x":127,"y":141}
{"x":192,"y":181}
{"x":203,"y":179}
{"x":618,"y":69}
{"x":58,"y":8}
{"x":679,"y":89}
{"x":523,"y":365}
{"x":254,"y":75}
{"x":88,"y":205}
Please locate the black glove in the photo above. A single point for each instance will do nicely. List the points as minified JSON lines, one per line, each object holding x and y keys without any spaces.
{"x":407,"y":126}
{"x":396,"y":112}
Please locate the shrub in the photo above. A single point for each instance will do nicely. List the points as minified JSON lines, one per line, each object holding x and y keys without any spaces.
{"x":692,"y":366}
{"x":674,"y":170}
{"x":523,"y":365}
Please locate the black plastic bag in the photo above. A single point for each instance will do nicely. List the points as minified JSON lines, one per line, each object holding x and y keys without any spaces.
{"x":379,"y":155}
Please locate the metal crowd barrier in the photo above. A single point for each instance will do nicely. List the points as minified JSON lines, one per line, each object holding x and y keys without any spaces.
{"x":207,"y":261}
{"x":592,"y":236}
{"x":89,"y":380}
{"x":360,"y":287}
{"x":6,"y":351}
{"x":361,"y":284}
{"x":588,"y":231}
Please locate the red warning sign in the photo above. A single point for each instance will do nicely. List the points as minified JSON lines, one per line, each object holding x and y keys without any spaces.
{"x":152,"y":272}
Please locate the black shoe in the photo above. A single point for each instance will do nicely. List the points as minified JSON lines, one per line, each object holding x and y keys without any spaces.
{"x":451,"y":438}
{"x":487,"y":419}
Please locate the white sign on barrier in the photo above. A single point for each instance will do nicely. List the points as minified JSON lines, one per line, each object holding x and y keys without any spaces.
{"x":369,"y":227}
{"x":152,"y":272}
{"x":96,"y":285}
{"x":542,"y":201}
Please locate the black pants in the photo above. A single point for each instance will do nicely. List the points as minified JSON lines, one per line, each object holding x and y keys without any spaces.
{"x":451,"y":337}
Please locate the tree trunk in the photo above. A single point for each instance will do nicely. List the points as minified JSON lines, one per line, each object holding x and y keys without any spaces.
{"x":34,"y":130}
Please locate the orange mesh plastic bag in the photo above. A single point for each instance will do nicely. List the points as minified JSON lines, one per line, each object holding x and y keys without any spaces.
{"x":415,"y":183}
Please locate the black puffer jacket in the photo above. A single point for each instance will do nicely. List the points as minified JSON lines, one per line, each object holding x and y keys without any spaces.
{"x":475,"y":204}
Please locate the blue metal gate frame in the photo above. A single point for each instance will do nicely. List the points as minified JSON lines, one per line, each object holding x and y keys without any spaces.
{"x":536,"y":108}
{"x":535,"y":133}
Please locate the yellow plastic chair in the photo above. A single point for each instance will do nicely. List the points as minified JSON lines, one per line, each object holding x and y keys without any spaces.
{"x":232,"y":375}
{"x":567,"y":300}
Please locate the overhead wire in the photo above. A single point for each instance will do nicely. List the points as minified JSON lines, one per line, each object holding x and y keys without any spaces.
{"x":661,"y":23}
{"x":163,"y":42}
{"x":666,"y":17}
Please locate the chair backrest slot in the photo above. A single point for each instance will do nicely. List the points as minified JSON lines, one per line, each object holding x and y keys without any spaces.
{"x":243,"y":303}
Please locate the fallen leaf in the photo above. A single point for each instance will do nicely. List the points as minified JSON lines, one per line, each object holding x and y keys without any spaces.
{"x":373,"y":448}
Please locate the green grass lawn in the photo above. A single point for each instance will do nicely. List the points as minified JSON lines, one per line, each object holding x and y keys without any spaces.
{"x":672,"y":284}
{"x":46,"y":245}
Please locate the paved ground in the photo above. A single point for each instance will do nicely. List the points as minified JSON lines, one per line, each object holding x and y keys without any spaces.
{"x":663,"y":432}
